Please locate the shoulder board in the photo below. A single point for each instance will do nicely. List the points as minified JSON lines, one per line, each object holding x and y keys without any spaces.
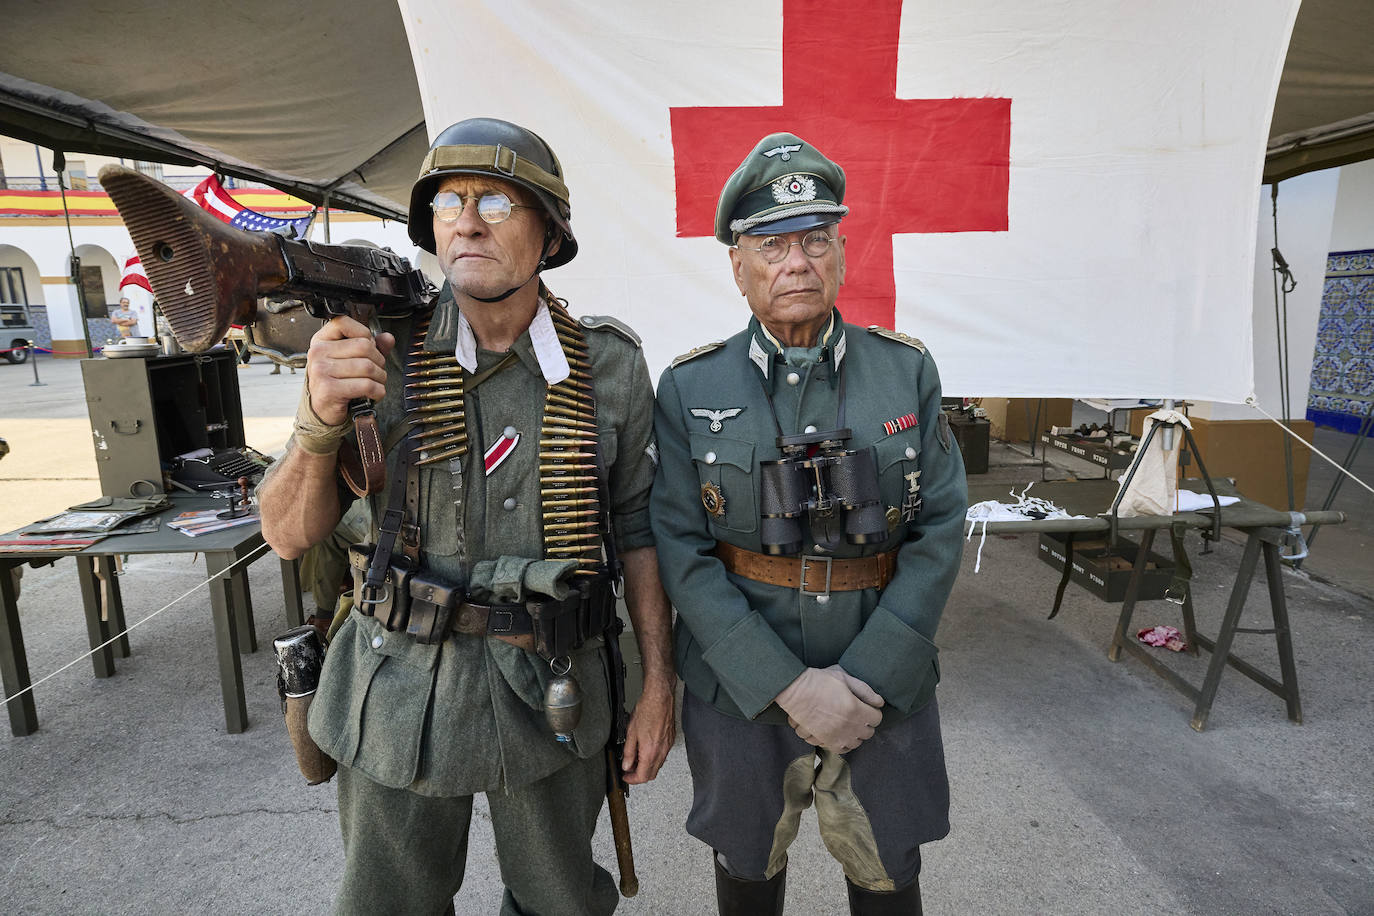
{"x":897,"y":336}
{"x":695,"y":352}
{"x":614,"y":324}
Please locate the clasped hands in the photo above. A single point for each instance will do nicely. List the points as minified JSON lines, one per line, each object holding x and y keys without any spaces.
{"x":830,"y":708}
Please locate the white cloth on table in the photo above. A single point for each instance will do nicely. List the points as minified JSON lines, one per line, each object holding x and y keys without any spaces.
{"x":1188,"y":501}
{"x":1025,"y":508}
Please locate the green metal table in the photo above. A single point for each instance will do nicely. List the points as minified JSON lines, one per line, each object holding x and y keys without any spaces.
{"x":1264,"y":529}
{"x":231,"y":607}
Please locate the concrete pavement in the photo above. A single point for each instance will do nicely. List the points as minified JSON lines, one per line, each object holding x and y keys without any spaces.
{"x":1078,"y":786}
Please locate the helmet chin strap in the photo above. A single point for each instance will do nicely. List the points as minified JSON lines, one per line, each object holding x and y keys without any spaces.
{"x":543,"y":259}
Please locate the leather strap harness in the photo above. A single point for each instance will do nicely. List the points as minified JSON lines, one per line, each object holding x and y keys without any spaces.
{"x":389,"y":580}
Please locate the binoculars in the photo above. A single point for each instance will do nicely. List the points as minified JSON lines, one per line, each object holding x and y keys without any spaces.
{"x":819,"y":476}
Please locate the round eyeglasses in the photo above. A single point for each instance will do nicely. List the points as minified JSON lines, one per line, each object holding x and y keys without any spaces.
{"x":492,"y":207}
{"x":774,"y":248}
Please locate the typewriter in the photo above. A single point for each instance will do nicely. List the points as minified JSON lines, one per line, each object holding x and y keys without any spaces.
{"x":207,"y":469}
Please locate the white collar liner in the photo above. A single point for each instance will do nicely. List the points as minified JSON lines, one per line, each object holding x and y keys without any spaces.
{"x":552,"y":362}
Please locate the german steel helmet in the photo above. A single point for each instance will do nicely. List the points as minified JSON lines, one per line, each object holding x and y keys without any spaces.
{"x":489,"y":146}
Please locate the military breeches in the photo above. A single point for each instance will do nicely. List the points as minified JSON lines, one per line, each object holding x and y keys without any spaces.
{"x":875,"y":805}
{"x":406,"y":853}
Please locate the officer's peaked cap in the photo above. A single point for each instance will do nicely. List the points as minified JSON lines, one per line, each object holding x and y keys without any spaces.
{"x":785,"y":184}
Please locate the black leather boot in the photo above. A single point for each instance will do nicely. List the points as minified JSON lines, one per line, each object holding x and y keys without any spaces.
{"x":737,"y":897}
{"x":905,"y":901}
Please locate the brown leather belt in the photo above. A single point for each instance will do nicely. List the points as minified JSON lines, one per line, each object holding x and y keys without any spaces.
{"x":812,"y":574}
{"x":508,"y":624}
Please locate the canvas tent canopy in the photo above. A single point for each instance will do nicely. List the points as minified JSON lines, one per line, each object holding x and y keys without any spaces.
{"x":1324,"y":112}
{"x":326,"y":102}
{"x":317,"y":98}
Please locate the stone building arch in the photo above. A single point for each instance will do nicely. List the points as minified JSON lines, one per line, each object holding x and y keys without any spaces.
{"x":23,"y":284}
{"x":14,"y":256}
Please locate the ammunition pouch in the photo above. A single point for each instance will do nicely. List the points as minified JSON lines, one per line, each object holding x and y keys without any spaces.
{"x":561,"y":626}
{"x":392,"y":606}
{"x":432,"y":603}
{"x":429,"y":608}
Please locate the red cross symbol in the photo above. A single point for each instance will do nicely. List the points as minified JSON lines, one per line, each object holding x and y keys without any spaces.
{"x":911,"y":165}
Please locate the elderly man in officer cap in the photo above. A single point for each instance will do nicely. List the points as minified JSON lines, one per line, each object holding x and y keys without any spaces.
{"x":807,"y":512}
{"x":519,"y":449}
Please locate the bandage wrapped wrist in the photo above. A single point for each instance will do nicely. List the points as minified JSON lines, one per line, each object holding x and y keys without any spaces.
{"x":313,"y":434}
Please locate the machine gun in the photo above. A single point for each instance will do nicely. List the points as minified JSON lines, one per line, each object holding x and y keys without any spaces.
{"x":208,"y":275}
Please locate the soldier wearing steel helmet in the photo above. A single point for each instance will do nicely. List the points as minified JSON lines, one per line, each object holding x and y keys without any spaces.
{"x":421,"y":716}
{"x":808,"y":511}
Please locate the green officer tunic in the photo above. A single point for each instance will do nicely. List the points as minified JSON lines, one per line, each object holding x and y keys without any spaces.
{"x":466,"y":715}
{"x":740,"y":642}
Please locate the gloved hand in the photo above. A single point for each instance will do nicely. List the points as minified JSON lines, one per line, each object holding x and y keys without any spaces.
{"x":830,"y":708}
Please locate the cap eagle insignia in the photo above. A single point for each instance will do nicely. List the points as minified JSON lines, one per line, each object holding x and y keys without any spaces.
{"x":785,"y":151}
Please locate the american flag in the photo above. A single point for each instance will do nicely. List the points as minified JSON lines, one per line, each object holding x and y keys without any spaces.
{"x":134,"y":274}
{"x":211,"y":195}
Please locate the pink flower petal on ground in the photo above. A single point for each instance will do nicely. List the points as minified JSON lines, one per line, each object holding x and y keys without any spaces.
{"x":1160,"y":636}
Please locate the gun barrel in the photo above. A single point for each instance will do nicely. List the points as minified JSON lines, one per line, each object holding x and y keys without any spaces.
{"x":205,"y":274}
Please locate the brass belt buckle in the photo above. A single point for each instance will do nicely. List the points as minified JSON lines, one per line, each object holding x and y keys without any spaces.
{"x":807,"y":561}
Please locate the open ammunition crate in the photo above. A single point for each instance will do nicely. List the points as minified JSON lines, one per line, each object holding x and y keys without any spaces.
{"x":1106,"y":574}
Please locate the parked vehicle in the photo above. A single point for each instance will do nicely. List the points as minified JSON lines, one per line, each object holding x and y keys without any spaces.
{"x":16,"y":332}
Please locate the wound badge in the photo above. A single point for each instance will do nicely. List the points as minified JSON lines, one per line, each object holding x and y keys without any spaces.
{"x":713,"y":499}
{"x":790,"y":189}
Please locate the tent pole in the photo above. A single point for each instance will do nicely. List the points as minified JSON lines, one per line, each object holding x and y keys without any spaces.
{"x":1283,"y":281}
{"x":59,"y":165}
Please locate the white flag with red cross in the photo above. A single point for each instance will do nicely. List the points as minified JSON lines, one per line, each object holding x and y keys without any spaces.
{"x":1058,"y":197}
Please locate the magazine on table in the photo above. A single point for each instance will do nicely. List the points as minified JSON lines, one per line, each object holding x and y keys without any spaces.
{"x":204,"y":521}
{"x":45,"y":545}
{"x":97,"y":522}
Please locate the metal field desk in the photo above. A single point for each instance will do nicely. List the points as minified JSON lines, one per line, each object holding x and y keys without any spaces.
{"x":231,"y":608}
{"x":1264,"y":530}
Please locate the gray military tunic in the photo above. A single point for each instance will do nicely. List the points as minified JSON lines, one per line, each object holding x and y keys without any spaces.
{"x":740,"y":642}
{"x":418,"y":729}
{"x":466,"y":715}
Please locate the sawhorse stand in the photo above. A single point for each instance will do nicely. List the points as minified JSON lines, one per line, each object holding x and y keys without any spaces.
{"x":1266,"y":540}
